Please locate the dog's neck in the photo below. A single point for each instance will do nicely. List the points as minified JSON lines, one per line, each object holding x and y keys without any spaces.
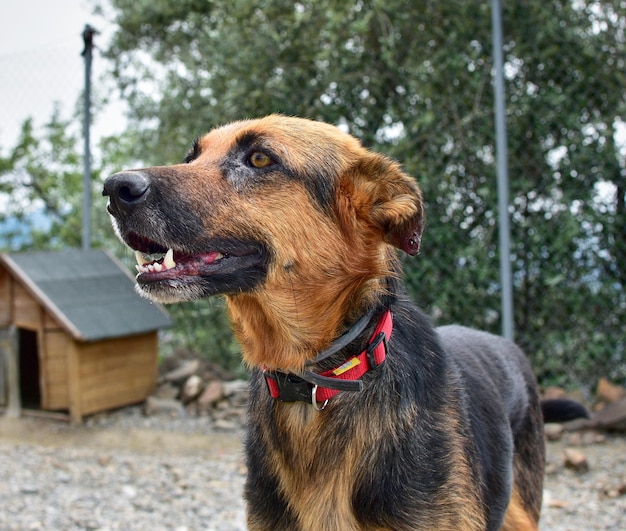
{"x":283,"y":333}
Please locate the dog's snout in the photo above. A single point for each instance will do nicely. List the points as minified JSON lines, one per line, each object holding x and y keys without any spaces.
{"x":126,"y":190}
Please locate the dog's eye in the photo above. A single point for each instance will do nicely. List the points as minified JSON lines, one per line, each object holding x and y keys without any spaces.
{"x":258,"y":159}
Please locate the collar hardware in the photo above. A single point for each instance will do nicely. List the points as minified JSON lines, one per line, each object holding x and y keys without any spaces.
{"x":314,"y":400}
{"x":287,"y":387}
{"x":370,"y":351}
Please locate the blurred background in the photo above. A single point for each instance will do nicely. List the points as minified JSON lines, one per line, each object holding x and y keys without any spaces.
{"x":412,"y":79}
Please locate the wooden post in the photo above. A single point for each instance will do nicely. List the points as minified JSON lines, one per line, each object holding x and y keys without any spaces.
{"x":74,"y":386}
{"x":3,"y":371}
{"x":10,"y":357}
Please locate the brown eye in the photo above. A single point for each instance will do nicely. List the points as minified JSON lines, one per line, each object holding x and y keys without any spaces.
{"x":258,"y":159}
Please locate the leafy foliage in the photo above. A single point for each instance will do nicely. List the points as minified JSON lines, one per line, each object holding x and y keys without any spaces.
{"x":413,"y":79}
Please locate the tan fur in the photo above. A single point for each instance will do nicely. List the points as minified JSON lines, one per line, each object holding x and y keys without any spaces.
{"x":517,"y":518}
{"x":325,"y":503}
{"x":282,"y":324}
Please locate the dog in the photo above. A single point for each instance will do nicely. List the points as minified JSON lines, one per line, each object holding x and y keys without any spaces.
{"x":362,"y":415}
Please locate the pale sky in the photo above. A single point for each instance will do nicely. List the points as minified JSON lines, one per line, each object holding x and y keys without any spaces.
{"x":40,"y":60}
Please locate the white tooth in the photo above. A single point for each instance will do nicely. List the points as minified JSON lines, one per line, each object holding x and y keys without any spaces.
{"x":218,"y":256}
{"x":168,"y":261}
{"x":158,"y":267}
{"x":140,"y":259}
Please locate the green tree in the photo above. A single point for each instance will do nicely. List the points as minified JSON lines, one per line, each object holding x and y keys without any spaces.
{"x":413,"y":79}
{"x":41,"y":186}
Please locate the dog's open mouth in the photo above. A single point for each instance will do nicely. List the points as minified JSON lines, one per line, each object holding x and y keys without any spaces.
{"x":167,"y":272}
{"x":174,"y":264}
{"x":156,"y":262}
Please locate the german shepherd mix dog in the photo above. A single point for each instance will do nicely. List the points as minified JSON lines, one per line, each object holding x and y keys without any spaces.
{"x":362,"y":415}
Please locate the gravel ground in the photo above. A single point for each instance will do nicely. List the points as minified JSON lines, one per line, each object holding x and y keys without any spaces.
{"x":130,"y":472}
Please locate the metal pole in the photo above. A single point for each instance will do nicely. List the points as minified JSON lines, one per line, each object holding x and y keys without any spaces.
{"x":88,"y":34}
{"x":502,"y":170}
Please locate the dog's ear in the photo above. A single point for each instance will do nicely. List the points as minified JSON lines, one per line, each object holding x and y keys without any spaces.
{"x":388,"y":199}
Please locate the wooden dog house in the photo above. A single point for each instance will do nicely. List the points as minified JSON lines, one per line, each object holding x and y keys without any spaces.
{"x":74,"y":334}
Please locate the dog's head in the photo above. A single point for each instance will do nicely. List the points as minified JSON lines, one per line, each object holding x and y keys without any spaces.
{"x":265,"y":204}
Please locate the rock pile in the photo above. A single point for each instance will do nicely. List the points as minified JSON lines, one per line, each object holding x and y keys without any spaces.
{"x":191,"y":385}
{"x":607,"y":416}
{"x":607,"y":411}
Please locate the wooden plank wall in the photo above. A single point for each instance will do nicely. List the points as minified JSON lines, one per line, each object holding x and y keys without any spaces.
{"x":5,"y":298}
{"x":115,"y":372}
{"x":26,"y":310}
{"x":53,"y":368}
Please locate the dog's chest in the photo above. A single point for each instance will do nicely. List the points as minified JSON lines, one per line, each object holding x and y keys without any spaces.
{"x":316,"y":470}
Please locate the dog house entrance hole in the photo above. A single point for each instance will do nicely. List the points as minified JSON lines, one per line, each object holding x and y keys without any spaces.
{"x":29,"y":369}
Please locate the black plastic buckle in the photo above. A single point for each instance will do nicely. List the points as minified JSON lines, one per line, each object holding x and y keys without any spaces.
{"x":371,"y":359}
{"x":291,"y":388}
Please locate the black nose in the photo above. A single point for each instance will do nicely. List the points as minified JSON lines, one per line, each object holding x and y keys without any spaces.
{"x":126,"y":190}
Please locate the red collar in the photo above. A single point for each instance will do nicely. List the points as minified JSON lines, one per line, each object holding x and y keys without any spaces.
{"x":307,"y":387}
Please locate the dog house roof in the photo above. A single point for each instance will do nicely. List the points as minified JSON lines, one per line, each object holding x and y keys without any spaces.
{"x":89,"y":292}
